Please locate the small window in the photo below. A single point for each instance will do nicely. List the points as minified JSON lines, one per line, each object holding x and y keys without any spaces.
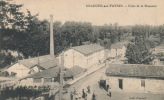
{"x":143,"y":83}
{"x":120,"y":83}
{"x":162,"y":59}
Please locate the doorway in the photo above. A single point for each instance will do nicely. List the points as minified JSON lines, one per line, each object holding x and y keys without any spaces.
{"x":120,"y":81}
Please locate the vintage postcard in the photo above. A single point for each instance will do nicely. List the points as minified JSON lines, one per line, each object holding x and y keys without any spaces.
{"x":81,"y":50}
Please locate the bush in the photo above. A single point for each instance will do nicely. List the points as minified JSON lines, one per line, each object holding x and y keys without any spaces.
{"x":20,"y":92}
{"x":5,"y":74}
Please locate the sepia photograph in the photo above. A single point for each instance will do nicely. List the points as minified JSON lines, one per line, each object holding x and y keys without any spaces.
{"x":81,"y":50}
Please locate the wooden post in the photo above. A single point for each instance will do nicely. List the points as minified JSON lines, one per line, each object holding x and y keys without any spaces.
{"x":61,"y":77}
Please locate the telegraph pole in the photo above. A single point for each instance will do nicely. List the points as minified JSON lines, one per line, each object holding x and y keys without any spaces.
{"x":61,"y":77}
{"x":38,"y":59}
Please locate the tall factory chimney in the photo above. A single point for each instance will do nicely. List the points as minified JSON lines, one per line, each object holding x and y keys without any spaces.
{"x":51,"y":36}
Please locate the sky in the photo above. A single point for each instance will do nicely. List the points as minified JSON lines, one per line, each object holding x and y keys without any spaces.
{"x":76,"y":10}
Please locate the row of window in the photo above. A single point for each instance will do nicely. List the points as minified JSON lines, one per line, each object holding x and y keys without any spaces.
{"x":39,"y":80}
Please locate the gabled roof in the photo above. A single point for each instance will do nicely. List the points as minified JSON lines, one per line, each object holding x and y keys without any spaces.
{"x":49,"y":73}
{"x":88,"y":49}
{"x":46,"y":61}
{"x":54,"y":72}
{"x":40,"y":67}
{"x":117,"y":46}
{"x":75,"y":70}
{"x":135,"y":70}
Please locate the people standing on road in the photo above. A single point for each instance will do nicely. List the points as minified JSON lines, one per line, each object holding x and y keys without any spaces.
{"x":74,"y":91}
{"x":88,"y":88}
{"x":107,"y":87}
{"x":99,"y":83}
{"x":76,"y":96}
{"x":71,"y":96}
{"x":93,"y":96}
{"x":83,"y":94}
{"x":110,"y":94}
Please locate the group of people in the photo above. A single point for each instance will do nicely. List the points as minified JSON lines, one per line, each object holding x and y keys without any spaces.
{"x":83,"y":96}
{"x":73,"y":94}
{"x":102,"y":84}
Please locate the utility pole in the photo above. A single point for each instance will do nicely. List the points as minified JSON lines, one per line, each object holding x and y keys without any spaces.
{"x":61,"y":77}
{"x":38,"y":59}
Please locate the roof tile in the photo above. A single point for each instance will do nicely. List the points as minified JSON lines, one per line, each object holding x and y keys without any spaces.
{"x":88,"y":49}
{"x":136,"y":70}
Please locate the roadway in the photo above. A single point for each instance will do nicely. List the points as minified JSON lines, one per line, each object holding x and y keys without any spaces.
{"x":89,"y":80}
{"x":92,"y":80}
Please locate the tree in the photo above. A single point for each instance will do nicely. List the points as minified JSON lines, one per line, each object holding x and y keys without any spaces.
{"x":6,"y":59}
{"x":11,"y":23}
{"x":161,"y":33}
{"x":10,"y":15}
{"x":77,"y":32}
{"x":138,"y":54}
{"x":133,"y":54}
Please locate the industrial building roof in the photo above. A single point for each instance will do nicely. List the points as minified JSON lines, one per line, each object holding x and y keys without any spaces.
{"x":49,"y":73}
{"x":75,"y":70}
{"x":117,"y":46}
{"x":135,"y":70}
{"x":46,"y":61}
{"x":88,"y":49}
{"x":54,"y":72}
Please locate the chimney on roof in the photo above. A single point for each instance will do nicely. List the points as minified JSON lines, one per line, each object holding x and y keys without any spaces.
{"x":51,"y":36}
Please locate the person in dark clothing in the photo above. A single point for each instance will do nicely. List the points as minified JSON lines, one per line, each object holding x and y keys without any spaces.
{"x":88,"y":89}
{"x":107,"y":87}
{"x":71,"y":95}
{"x":74,"y":91}
{"x":83,"y":94}
{"x":110,"y":94}
{"x":93,"y":96}
{"x":99,"y":84}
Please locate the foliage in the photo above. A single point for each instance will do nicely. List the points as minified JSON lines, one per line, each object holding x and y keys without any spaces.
{"x":29,"y":36}
{"x":5,"y":74}
{"x":105,"y":43}
{"x":10,"y":15}
{"x":112,"y":32}
{"x":20,"y":92}
{"x":136,"y":55}
{"x":6,"y":59}
{"x":139,"y":52}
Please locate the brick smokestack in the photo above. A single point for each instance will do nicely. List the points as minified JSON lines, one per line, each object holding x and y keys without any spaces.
{"x":51,"y":36}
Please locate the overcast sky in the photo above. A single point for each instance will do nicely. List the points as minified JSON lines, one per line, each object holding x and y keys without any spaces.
{"x":76,"y":10}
